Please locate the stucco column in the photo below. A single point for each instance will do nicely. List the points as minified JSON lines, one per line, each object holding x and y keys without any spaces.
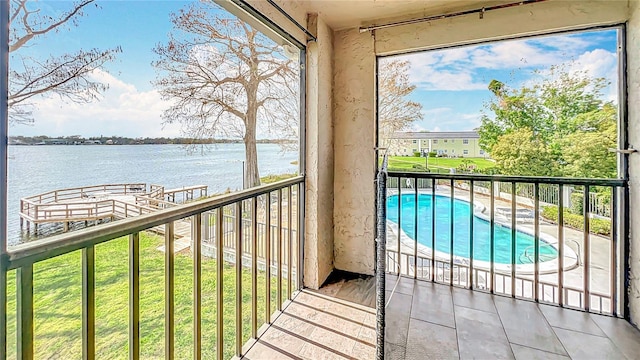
{"x":318,"y":261}
{"x":354,"y":142}
{"x":633,"y":88}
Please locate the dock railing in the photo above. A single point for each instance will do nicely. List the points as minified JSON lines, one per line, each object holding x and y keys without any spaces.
{"x":73,"y":200}
{"x":573,"y":260}
{"x":272,"y":205}
{"x":86,"y":191}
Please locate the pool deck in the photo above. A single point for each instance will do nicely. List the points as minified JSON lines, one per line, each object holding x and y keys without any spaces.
{"x":434,"y":321}
{"x":600,"y":254}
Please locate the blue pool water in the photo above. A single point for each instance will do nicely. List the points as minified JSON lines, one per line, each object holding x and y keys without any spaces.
{"x":461,"y":238}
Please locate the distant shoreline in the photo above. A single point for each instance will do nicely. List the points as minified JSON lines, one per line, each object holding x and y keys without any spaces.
{"x":115,"y":140}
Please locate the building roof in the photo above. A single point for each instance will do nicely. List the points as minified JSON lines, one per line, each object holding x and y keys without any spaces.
{"x":436,"y":135}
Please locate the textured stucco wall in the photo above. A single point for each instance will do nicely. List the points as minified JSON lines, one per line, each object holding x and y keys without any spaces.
{"x":633,"y":88}
{"x":499,"y":24}
{"x":319,"y":156}
{"x":354,"y":139}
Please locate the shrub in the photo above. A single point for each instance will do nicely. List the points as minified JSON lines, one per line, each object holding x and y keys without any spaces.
{"x":433,"y":154}
{"x":417,"y":154}
{"x":596,"y":226}
{"x":577,"y":199}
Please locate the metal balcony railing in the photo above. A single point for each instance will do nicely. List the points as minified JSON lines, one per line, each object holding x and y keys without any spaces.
{"x":505,"y":235}
{"x":230,"y":229}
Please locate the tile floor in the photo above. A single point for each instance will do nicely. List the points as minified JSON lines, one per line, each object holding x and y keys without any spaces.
{"x":433,"y":321}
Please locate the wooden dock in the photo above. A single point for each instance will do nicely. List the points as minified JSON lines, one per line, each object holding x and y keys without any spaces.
{"x":99,"y":203}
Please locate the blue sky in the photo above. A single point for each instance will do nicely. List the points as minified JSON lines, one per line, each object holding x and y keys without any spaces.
{"x":451,"y":84}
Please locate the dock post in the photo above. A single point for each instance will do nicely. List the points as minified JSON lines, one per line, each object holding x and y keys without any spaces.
{"x":66,"y":226}
{"x":21,"y":223}
{"x":35,"y":229}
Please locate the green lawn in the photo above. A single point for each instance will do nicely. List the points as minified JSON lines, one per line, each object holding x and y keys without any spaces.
{"x":405,"y":163}
{"x":274,"y":178}
{"x":58,"y":304}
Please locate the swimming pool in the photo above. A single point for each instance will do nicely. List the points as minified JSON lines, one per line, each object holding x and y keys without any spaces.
{"x":461,"y":239}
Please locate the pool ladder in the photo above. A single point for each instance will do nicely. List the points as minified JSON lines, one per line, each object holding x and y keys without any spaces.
{"x":529,"y":255}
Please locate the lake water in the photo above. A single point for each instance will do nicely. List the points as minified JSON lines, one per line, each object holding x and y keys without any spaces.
{"x":37,"y":169}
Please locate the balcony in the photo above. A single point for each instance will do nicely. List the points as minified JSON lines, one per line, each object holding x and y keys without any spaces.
{"x":290,"y":269}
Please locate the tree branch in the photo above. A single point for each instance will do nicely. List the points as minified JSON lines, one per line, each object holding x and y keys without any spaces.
{"x":30,"y":33}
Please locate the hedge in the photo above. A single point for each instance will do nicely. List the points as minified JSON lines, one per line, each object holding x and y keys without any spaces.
{"x":577,"y":199}
{"x":596,"y":226}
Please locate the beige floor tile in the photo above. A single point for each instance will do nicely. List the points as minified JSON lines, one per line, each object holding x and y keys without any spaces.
{"x":527,"y":353}
{"x":430,"y":341}
{"x":394,"y":352}
{"x":262,"y":351}
{"x":480,"y":335}
{"x":621,"y":333}
{"x":473,"y":299}
{"x":327,"y":344}
{"x":570,"y":320}
{"x":367,"y":335}
{"x":283,"y":340}
{"x":585,"y":346}
{"x":433,"y":306}
{"x":363,"y":351}
{"x":525,"y":325}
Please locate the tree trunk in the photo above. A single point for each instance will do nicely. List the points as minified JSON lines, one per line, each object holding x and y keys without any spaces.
{"x":251,"y":174}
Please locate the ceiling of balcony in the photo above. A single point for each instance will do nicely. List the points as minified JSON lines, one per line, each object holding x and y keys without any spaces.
{"x":341,"y":14}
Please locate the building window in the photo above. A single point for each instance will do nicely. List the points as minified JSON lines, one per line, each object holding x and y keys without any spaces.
{"x":481,"y":152}
{"x":453,"y":151}
{"x":465,"y":152}
{"x":445,"y":150}
{"x":435,"y":141}
{"x":415,"y":141}
{"x":465,"y":141}
{"x":452,"y":141}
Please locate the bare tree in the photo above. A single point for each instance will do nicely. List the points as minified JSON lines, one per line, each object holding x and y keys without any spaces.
{"x":67,"y":75}
{"x":226,"y":79}
{"x":396,"y":112}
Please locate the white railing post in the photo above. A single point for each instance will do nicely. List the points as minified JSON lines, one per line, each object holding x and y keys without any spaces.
{"x":566,"y":195}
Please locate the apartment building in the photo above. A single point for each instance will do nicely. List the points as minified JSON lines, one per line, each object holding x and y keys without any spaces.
{"x":444,"y":143}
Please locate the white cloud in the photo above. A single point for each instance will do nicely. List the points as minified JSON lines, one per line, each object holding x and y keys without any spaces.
{"x":122,"y":110}
{"x":512,"y":55}
{"x":461,"y":68}
{"x":600,"y":63}
{"x":447,"y":119}
{"x":433,"y":79}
